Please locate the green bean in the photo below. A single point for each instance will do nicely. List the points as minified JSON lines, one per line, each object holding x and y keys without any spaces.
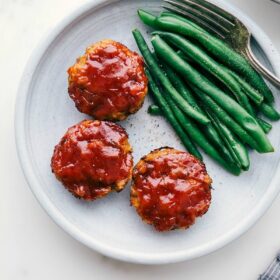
{"x":265,"y":108}
{"x":245,"y":103}
{"x":198,"y":137}
{"x":242,"y":99}
{"x":181,"y":88}
{"x":154,"y":110}
{"x":204,"y":61}
{"x":147,"y":18}
{"x":167,"y":14}
{"x":171,"y":118}
{"x":237,"y":149}
{"x":231,"y":106}
{"x":226,"y":119}
{"x":269,"y":112}
{"x":184,"y":56}
{"x":218,"y":49}
{"x":209,"y":130}
{"x":158,"y":74}
{"x":193,"y":131}
{"x":266,"y":127}
{"x":206,"y":74}
{"x":210,"y":133}
{"x":215,"y":46}
{"x":253,"y":94}
{"x":232,"y":154}
{"x":239,"y":95}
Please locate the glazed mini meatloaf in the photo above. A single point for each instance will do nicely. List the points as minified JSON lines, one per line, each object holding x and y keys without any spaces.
{"x":93,"y":159}
{"x":108,"y":82}
{"x":170,"y":189}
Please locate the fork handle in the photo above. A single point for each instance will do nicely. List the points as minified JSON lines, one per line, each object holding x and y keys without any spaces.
{"x":260,"y":68}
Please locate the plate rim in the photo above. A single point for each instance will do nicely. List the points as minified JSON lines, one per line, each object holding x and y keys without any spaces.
{"x":58,"y":217}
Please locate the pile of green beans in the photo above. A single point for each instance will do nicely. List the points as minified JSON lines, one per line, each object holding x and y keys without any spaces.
{"x":209,"y":93}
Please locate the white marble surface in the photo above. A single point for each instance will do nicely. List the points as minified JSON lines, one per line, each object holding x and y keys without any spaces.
{"x":32,"y":246}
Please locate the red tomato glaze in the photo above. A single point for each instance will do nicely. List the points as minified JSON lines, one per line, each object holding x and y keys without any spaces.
{"x":108,"y":82}
{"x":171,"y":188}
{"x":93,"y":158}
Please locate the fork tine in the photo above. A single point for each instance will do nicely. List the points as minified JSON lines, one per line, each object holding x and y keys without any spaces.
{"x":213,"y":11}
{"x":217,"y":10}
{"x":195,"y":20}
{"x":201,"y":13}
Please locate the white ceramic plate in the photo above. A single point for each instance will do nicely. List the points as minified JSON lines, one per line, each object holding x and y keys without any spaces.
{"x":44,"y":111}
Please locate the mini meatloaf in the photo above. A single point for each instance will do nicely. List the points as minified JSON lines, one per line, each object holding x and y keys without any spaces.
{"x":170,"y":189}
{"x":93,"y":158}
{"x":108,"y":82}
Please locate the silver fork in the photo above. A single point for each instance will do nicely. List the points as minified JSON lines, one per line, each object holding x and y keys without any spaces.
{"x":223,"y":25}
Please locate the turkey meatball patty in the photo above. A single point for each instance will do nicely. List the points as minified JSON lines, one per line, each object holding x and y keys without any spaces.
{"x":108,"y":82}
{"x":93,"y":158}
{"x":170,"y":189}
